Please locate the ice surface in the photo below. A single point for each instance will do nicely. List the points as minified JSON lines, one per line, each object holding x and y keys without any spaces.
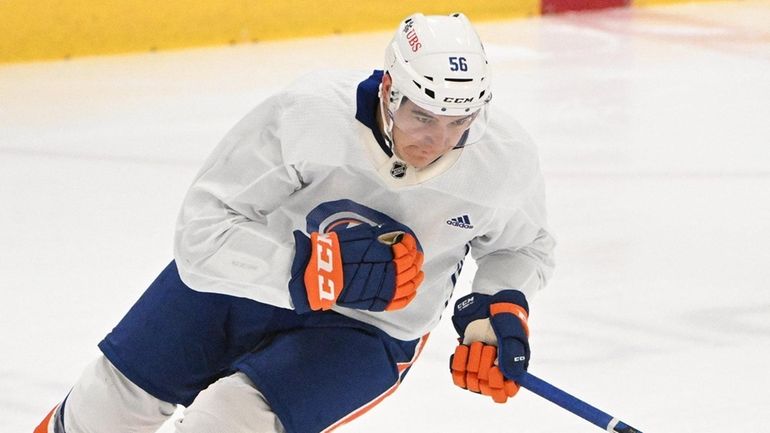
{"x":655,"y":143}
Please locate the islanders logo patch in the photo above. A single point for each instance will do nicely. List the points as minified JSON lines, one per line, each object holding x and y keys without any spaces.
{"x":342,"y":214}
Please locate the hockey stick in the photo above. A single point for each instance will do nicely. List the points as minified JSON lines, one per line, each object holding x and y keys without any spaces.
{"x":574,"y":405}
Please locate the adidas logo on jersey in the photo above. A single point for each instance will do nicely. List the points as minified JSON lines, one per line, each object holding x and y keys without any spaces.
{"x":463,"y":222}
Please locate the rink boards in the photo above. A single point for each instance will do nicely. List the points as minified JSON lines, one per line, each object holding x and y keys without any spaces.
{"x":51,"y":29}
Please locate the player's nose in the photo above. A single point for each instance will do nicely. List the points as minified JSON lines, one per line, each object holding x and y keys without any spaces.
{"x":435,"y":138}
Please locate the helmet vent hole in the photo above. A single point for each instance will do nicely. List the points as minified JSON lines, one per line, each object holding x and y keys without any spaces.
{"x":417,"y":84}
{"x":459,"y":80}
{"x":430,"y":93}
{"x":429,"y":78}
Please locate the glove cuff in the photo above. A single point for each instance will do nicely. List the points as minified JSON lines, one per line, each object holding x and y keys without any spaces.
{"x":512,"y":297}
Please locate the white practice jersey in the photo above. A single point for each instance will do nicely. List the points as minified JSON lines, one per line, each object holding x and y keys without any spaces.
{"x":302,"y":161}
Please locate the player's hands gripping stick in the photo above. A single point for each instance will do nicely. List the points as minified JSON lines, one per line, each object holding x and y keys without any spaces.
{"x":474,"y":368}
{"x":494,"y":346}
{"x":363,"y":267}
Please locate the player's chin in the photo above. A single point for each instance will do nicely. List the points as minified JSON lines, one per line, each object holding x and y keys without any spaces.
{"x":417,"y":158}
{"x":419,"y":162}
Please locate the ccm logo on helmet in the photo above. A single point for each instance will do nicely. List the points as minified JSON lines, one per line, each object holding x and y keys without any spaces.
{"x":458,"y":100}
{"x":411,"y":36}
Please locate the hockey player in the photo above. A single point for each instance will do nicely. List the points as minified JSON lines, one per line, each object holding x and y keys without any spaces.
{"x":319,"y":245}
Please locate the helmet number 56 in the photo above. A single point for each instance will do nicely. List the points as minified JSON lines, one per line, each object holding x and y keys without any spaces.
{"x":457,"y":64}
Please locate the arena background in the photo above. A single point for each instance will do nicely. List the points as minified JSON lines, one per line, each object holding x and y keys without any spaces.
{"x":51,"y":29}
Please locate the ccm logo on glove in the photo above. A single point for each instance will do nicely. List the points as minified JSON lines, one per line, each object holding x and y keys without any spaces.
{"x":327,"y":262}
{"x":363,"y":267}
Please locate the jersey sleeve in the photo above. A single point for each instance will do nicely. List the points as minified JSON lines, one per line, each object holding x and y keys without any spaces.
{"x":224,"y":240}
{"x":517,"y":253}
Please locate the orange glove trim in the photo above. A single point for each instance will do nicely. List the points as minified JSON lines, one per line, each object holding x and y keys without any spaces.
{"x":516,"y":310}
{"x":408,"y":260}
{"x":323,"y":275}
{"x":459,"y":360}
{"x":474,"y":369}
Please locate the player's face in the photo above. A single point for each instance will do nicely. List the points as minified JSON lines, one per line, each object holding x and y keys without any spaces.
{"x":420,"y":137}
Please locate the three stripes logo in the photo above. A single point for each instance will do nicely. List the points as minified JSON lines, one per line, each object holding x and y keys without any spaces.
{"x":462,"y":222}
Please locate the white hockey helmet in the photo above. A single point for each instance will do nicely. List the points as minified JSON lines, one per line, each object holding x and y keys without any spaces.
{"x":438,"y":62}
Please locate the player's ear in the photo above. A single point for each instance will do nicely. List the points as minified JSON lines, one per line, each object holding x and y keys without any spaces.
{"x":385,"y":86}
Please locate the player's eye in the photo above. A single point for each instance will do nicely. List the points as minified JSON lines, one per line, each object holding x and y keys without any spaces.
{"x":462,"y":122}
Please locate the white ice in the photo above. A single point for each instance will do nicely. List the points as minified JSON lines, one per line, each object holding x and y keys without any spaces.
{"x":654,"y":129}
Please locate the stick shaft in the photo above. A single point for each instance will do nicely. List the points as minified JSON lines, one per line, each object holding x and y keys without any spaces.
{"x":574,"y":404}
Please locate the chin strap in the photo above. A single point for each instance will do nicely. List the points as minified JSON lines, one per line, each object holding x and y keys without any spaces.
{"x":463,"y":140}
{"x":387,"y":122}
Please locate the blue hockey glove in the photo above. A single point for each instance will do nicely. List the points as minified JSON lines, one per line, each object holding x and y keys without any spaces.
{"x":367,"y":268}
{"x":494,"y":344}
